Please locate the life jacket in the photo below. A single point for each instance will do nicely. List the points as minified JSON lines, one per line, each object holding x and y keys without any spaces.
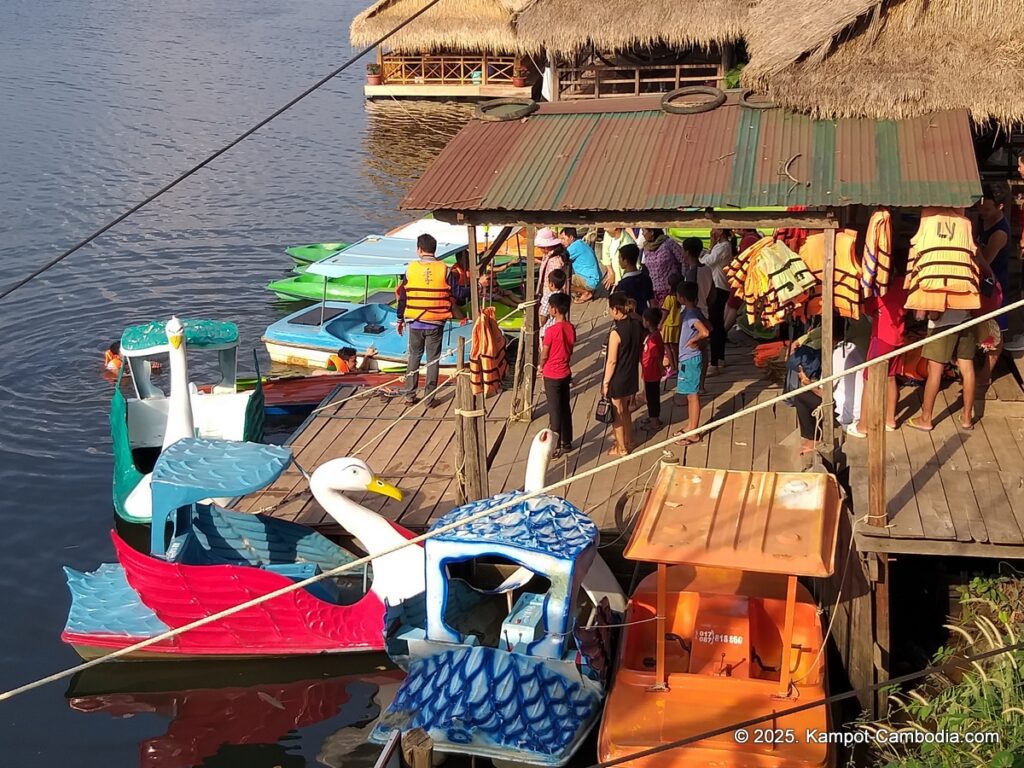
{"x":428,"y":297}
{"x":337,"y":363}
{"x":771,"y":280}
{"x":845,"y":275}
{"x":942,"y":273}
{"x":488,"y":362}
{"x":112,"y":362}
{"x":876,"y":263}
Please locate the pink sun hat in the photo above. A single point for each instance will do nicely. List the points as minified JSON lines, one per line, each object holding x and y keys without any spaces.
{"x":546,"y":238}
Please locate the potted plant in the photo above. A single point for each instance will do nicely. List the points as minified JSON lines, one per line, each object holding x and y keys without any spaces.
{"x":519,"y":75}
{"x":373,"y":76}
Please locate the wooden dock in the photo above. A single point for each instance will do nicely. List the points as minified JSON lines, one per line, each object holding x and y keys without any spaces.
{"x":950,"y":491}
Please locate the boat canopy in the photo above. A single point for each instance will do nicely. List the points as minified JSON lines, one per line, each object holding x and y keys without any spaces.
{"x":151,"y":338}
{"x":447,"y":233}
{"x":376,"y":255}
{"x":768,"y":522}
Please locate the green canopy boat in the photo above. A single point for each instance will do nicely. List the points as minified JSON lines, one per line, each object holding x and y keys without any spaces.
{"x":307,"y":254}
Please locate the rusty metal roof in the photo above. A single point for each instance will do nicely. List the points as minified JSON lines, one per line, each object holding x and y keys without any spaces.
{"x":769,"y":522}
{"x":629,"y":155}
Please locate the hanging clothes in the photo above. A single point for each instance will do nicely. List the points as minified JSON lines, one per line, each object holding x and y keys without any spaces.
{"x":942,"y":273}
{"x":488,"y":362}
{"x":876,"y":264}
{"x":770,"y":279}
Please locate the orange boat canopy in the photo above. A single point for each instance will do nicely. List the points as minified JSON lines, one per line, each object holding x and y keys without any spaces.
{"x":768,"y":522}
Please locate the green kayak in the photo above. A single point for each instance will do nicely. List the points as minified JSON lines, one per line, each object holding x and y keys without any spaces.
{"x":307,"y":254}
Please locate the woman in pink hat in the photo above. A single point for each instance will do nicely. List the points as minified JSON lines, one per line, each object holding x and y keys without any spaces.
{"x":554,"y":257}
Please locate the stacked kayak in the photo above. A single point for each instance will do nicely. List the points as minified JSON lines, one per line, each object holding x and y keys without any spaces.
{"x":307,"y":254}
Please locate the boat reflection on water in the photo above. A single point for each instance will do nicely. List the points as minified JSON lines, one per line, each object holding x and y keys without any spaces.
{"x":403,"y":137}
{"x":246,"y":713}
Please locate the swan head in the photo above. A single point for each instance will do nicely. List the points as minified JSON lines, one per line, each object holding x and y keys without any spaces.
{"x":175,"y":332}
{"x":537,"y":461}
{"x":352,"y":475}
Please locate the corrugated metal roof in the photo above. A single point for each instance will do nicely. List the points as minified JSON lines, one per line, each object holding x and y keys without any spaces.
{"x":629,"y":155}
{"x":769,"y":522}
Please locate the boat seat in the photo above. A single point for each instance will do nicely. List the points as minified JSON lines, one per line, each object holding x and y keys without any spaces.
{"x":721,"y":637}
{"x":324,"y":590}
{"x":767,"y":623}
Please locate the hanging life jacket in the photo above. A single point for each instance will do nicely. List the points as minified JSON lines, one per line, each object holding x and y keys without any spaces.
{"x":845,"y":276}
{"x":428,"y":297}
{"x":337,"y":363}
{"x":942,"y":273}
{"x":112,"y":362}
{"x":488,"y":362}
{"x":876,"y":263}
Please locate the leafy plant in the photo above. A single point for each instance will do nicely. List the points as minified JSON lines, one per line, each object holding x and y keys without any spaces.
{"x":976,"y":697}
{"x":732,"y":77}
{"x":373,"y":69}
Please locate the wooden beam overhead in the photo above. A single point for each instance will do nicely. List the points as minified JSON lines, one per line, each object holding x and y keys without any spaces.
{"x":694,"y":219}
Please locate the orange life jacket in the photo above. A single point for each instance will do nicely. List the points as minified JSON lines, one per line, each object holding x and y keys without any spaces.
{"x":876,"y":263}
{"x":488,"y":363}
{"x":428,"y":297}
{"x":942,"y":273}
{"x":337,"y":363}
{"x":112,"y":362}
{"x":845,"y":276}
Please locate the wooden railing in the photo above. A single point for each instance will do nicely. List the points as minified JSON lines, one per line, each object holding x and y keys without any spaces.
{"x":595,"y":81}
{"x":446,"y":69}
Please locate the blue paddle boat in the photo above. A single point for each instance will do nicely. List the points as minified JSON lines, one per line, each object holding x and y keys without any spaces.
{"x":495,"y":671}
{"x":309,"y":336}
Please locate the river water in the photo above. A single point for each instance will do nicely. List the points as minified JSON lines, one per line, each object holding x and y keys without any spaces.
{"x":103,"y":102}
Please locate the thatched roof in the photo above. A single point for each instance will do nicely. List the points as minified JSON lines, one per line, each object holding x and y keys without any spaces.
{"x":565,"y":26}
{"x":890,"y":59}
{"x":560,"y":26}
{"x":464,"y":25}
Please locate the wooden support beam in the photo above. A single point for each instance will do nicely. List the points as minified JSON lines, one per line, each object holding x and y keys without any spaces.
{"x":786,"y":673}
{"x":878,"y":379}
{"x":880,"y":601}
{"x":460,"y":432}
{"x":470,"y":437}
{"x":828,"y":421}
{"x":474,"y":273}
{"x":699,"y":219}
{"x":528,"y":336}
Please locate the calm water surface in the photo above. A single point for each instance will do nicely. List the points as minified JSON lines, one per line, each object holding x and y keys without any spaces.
{"x":102,"y":103}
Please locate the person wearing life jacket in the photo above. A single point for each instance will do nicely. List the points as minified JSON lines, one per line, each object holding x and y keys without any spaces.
{"x":344,"y":361}
{"x":112,"y":358}
{"x":426,"y":303}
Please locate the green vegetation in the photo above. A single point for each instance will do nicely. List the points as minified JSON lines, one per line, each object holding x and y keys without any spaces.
{"x":732,"y":77}
{"x":980,"y":697}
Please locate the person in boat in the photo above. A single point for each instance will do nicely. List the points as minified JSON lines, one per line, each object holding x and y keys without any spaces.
{"x":426,"y":303}
{"x":613,"y":240}
{"x":635,"y":282}
{"x":622,"y":369}
{"x":586,"y":272}
{"x":345,"y":361}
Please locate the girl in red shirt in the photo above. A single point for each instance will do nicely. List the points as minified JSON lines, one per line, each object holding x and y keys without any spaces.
{"x":652,"y":368}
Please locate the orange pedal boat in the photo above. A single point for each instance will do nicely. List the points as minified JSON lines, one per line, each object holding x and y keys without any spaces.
{"x":723,"y":632}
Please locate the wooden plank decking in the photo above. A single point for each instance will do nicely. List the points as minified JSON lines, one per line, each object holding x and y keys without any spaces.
{"x":950,"y":491}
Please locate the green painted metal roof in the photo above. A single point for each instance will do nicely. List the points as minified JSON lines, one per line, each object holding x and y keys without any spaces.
{"x":629,"y":155}
{"x":151,"y":337}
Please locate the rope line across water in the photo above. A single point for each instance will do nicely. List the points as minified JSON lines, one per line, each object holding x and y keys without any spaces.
{"x":667,"y":443}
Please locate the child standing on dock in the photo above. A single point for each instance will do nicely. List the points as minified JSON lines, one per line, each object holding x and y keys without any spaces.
{"x":693,"y":331}
{"x":671,"y":319}
{"x":652,"y":368}
{"x":555,"y":286}
{"x":621,"y":369}
{"x":556,"y":354}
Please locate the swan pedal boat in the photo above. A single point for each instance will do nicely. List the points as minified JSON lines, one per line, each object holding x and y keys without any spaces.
{"x":706,"y":644}
{"x":143,"y":425}
{"x":204,"y":558}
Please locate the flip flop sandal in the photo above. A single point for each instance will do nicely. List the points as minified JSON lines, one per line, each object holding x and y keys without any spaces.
{"x":912,"y":423}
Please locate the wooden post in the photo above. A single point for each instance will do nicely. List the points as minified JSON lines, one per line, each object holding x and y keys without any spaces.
{"x":417,"y":749}
{"x":828,"y":432}
{"x":471,"y":452}
{"x":786,"y":673}
{"x":528,"y":338}
{"x":878,"y":380}
{"x":660,"y":682}
{"x":460,"y":432}
{"x":483,"y":71}
{"x":474,"y":273}
{"x":880,"y":621}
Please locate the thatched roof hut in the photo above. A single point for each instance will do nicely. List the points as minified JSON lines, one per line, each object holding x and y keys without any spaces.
{"x":559,"y":26}
{"x":461,"y":25}
{"x":565,"y":26}
{"x":890,"y":59}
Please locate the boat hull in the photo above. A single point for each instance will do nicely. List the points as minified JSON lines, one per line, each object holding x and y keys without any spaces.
{"x":747,"y":609}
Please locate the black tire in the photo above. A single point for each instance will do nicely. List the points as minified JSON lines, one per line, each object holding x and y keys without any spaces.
{"x":500,"y":110}
{"x":717,"y":99}
{"x":751,"y":100}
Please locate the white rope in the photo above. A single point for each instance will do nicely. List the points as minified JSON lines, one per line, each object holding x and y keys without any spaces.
{"x":405,"y":413}
{"x":517,"y":499}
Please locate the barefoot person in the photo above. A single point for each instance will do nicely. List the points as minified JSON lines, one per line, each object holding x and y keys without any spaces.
{"x":622,"y":369}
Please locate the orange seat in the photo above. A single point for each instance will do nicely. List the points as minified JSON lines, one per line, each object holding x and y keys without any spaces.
{"x":721,"y":637}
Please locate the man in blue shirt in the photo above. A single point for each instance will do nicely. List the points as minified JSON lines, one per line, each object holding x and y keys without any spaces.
{"x":586,"y":272}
